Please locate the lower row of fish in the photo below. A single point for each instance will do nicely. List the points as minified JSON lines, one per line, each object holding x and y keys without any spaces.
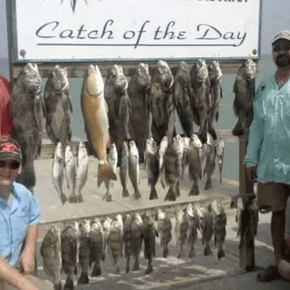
{"x":87,"y":243}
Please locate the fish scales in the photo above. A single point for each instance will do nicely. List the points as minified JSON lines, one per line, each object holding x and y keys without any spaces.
{"x":181,"y":228}
{"x":94,"y":110}
{"x":70,"y":171}
{"x":50,"y":251}
{"x":124,"y":167}
{"x":127,"y":238}
{"x":27,"y":107}
{"x":136,"y":239}
{"x":138,"y":90}
{"x":220,"y":151}
{"x":58,"y":106}
{"x":164,"y":229}
{"x":192,"y":220}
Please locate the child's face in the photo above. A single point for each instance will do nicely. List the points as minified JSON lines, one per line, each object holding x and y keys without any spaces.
{"x":9,"y":170}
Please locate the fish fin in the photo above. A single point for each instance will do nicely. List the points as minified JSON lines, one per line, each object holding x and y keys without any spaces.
{"x":221,"y":253}
{"x":207,"y":251}
{"x":153,"y":193}
{"x":105,"y":171}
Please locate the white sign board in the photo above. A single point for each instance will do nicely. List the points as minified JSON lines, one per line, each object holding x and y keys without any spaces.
{"x":80,"y":30}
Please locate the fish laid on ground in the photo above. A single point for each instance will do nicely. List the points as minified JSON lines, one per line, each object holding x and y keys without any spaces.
{"x":50,"y":251}
{"x":149,"y":234}
{"x":219,"y":224}
{"x":94,"y":111}
{"x":194,"y":160}
{"x":28,"y":111}
{"x":173,"y":167}
{"x":161,"y":102}
{"x":127,"y":237}
{"x":124,"y":168}
{"x":84,"y":251}
{"x":161,"y":152}
{"x":183,"y":98}
{"x":136,"y":239}
{"x":97,"y":243}
{"x":70,"y":171}
{"x":70,"y":253}
{"x":205,"y":221}
{"x":116,"y":86}
{"x":181,"y":228}
{"x":58,"y":106}
{"x":215,"y":78}
{"x":113,"y":160}
{"x":244,"y":90}
{"x":82,"y":170}
{"x":202,"y":98}
{"x":192,"y":220}
{"x":138,"y":90}
{"x":152,"y":166}
{"x":115,"y":241}
{"x":220,"y":150}
{"x":58,"y":171}
{"x":164,"y":230}
{"x":134,"y":173}
{"x":209,"y":155}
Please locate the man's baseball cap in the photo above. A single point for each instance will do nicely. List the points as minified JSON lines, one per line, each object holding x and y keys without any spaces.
{"x":284,"y":34}
{"x":10,"y":149}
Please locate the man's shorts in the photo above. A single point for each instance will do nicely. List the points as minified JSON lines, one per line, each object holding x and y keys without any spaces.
{"x":272,"y":196}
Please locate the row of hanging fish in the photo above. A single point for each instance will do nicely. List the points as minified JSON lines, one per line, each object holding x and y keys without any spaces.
{"x":87,"y":244}
{"x":64,"y":167}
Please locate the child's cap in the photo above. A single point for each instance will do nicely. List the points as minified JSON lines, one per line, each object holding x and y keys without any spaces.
{"x":10,"y":149}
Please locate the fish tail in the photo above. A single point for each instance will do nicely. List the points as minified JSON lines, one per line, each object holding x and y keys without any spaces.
{"x":125,"y":192}
{"x":137,"y":194}
{"x":207,"y":250}
{"x":96,"y":271}
{"x":105,"y":171}
{"x":221,"y":253}
{"x":238,"y":129}
{"x":153,"y":193}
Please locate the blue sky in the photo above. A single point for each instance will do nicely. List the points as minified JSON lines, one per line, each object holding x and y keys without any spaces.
{"x":275,"y":17}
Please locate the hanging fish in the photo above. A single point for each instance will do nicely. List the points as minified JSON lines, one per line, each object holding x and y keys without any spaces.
{"x":70,"y":171}
{"x":70,"y":253}
{"x":84,"y":251}
{"x":201,"y":97}
{"x":113,"y":160}
{"x":161,"y":102}
{"x":138,"y":90}
{"x":94,"y":111}
{"x":124,"y":168}
{"x":151,"y":163}
{"x":82,"y":170}
{"x":164,"y":229}
{"x":136,"y":239}
{"x":209,"y":153}
{"x":244,"y":90}
{"x":215,"y":77}
{"x":161,"y":152}
{"x":127,"y":238}
{"x":220,"y":222}
{"x":220,"y":151}
{"x":134,"y":172}
{"x":183,"y":98}
{"x":28,"y":111}
{"x":97,"y":244}
{"x":58,"y":106}
{"x":58,"y":171}
{"x":194,"y":160}
{"x":181,"y":228}
{"x":149,"y":234}
{"x":50,"y":251}
{"x":192,"y":221}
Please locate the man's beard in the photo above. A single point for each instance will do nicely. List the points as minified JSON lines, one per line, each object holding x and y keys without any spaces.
{"x":283,"y":60}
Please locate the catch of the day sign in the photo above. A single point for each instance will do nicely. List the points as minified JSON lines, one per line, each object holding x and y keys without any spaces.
{"x":127,"y":30}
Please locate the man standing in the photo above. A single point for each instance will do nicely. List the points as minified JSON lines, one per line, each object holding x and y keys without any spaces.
{"x":268,"y":151}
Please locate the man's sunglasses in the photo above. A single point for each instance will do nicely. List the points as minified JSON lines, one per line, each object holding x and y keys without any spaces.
{"x":11,"y":165}
{"x":279,"y":48}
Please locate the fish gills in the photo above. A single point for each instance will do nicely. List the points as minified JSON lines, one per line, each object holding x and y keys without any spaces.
{"x":94,"y":111}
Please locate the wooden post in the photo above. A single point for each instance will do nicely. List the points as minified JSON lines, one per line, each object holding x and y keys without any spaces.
{"x":246,"y":187}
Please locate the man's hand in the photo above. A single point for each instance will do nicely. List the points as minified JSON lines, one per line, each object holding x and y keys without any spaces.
{"x":251,"y":173}
{"x":28,"y":262}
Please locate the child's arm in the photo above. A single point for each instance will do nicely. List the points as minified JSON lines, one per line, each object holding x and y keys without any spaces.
{"x":13,"y":277}
{"x":28,"y":262}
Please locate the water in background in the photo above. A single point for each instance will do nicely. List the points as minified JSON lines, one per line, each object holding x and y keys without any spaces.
{"x":226,"y":121}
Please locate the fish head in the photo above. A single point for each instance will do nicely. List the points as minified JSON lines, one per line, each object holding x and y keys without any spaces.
{"x":195,"y":141}
{"x":151,"y":146}
{"x":185,"y":141}
{"x":94,"y":81}
{"x":178,"y":144}
{"x":59,"y":78}
{"x":106,"y":224}
{"x":248,"y":70}
{"x":82,"y":151}
{"x":127,"y":221}
{"x":137,"y":219}
{"x":216,"y":207}
{"x":133,"y":148}
{"x":68,"y":153}
{"x":30,"y":78}
{"x":143,"y":75}
{"x":125,"y":149}
{"x":52,"y":236}
{"x":199,"y":71}
{"x":160,"y":214}
{"x":182,"y":74}
{"x":163,"y":75}
{"x":220,"y":148}
{"x":96,"y":225}
{"x":117,"y":79}
{"x":214,"y":71}
{"x":85,"y":228}
{"x":113,"y":154}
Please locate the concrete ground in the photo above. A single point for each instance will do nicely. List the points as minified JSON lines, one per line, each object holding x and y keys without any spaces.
{"x":201,"y":272}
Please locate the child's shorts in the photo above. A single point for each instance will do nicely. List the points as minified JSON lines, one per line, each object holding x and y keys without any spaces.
{"x":272,"y":196}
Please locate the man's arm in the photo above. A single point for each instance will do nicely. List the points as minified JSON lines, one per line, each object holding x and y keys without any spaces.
{"x":27,"y":257}
{"x":13,"y":277}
